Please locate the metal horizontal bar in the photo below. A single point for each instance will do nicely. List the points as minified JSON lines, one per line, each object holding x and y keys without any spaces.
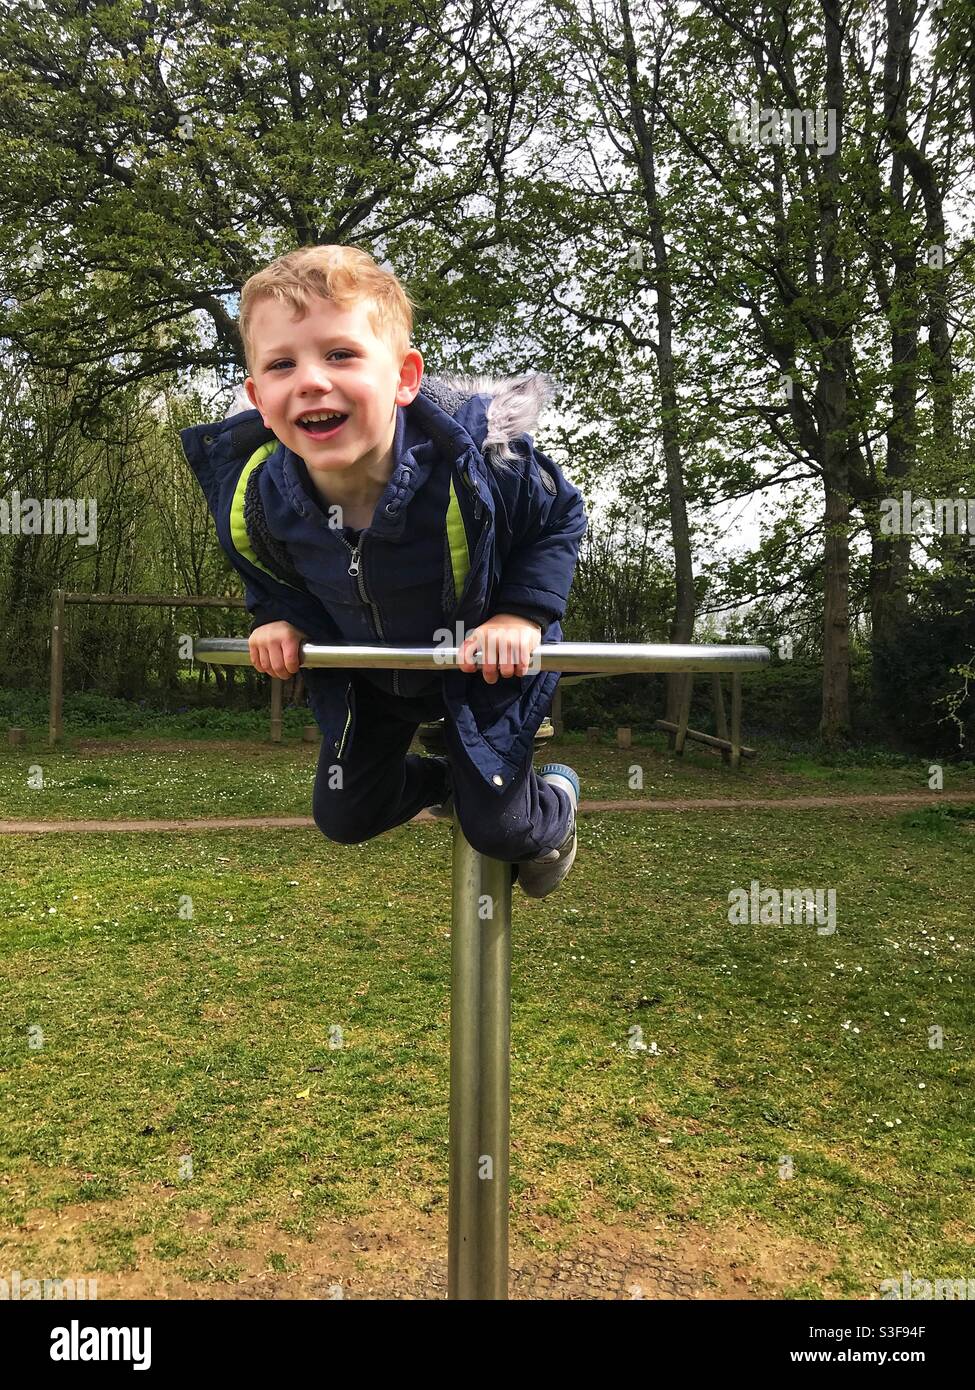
{"x":609,"y":658}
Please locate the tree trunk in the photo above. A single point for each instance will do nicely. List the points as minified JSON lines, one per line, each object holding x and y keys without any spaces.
{"x":831,"y":410}
{"x":685,"y":607}
{"x":835,"y":721}
{"x":890,"y":558}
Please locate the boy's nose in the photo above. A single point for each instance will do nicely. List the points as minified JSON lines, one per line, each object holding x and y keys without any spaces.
{"x":314,"y":384}
{"x":313,"y":377}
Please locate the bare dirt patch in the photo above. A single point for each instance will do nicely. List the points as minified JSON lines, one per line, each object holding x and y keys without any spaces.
{"x":880,"y":803}
{"x":87,"y":827}
{"x":398,"y":1252}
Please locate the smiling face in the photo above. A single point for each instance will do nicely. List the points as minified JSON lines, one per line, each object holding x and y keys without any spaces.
{"x":331,"y":360}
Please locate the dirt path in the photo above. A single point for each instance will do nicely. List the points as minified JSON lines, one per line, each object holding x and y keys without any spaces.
{"x":882,"y":802}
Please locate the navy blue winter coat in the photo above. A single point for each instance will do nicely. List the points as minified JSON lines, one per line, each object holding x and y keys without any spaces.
{"x":457,"y":536}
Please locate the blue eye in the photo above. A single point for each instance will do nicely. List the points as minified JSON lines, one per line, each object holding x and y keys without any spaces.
{"x":286,"y":361}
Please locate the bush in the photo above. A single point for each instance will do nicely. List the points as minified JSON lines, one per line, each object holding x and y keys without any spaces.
{"x":914,"y":671}
{"x":90,"y":715}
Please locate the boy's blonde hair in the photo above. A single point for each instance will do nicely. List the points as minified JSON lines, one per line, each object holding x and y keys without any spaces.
{"x":343,"y":274}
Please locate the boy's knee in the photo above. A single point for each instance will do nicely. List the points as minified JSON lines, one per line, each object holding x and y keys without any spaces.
{"x":339,"y":823}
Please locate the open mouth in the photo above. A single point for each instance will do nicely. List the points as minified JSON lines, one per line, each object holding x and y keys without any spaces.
{"x":322,"y":429}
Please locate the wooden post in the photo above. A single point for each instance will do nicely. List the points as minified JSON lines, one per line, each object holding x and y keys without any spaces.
{"x":683,"y":718}
{"x":720,"y":721}
{"x":709,"y":740}
{"x":277,"y":689}
{"x":16,"y":737}
{"x":56,"y":706}
{"x":735,"y":720}
{"x":624,"y":736}
{"x":61,"y":597}
{"x":556,"y":712}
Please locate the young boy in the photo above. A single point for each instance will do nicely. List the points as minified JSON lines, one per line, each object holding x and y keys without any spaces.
{"x":364,"y":503}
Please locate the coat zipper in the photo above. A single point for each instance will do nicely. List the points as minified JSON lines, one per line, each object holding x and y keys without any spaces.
{"x":348,"y":721}
{"x":477,"y":497}
{"x":354,"y":569}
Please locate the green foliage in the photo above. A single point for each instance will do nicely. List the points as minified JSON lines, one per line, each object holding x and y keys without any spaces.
{"x":940,"y":822}
{"x":91,"y":715}
{"x":299,"y":123}
{"x":921,"y":691}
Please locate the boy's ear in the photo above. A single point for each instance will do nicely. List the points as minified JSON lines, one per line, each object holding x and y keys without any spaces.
{"x":251,"y":392}
{"x":410,"y":377}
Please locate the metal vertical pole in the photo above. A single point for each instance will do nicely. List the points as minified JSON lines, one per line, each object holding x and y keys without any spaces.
{"x":480,"y":1024}
{"x":495,"y":1083}
{"x":465,"y":999}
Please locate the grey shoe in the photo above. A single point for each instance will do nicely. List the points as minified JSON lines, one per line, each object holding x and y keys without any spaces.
{"x":541,"y":876}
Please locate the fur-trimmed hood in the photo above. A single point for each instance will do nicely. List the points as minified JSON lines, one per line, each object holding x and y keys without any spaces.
{"x":514,"y":406}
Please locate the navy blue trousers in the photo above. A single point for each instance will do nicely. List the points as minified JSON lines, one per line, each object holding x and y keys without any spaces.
{"x":380,"y":784}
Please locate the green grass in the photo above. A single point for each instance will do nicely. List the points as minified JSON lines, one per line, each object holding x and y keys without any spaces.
{"x":139,"y":781}
{"x":169,"y":1036}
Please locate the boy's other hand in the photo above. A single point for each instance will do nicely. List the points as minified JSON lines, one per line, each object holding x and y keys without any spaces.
{"x":275,"y":649}
{"x":507,"y":643}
